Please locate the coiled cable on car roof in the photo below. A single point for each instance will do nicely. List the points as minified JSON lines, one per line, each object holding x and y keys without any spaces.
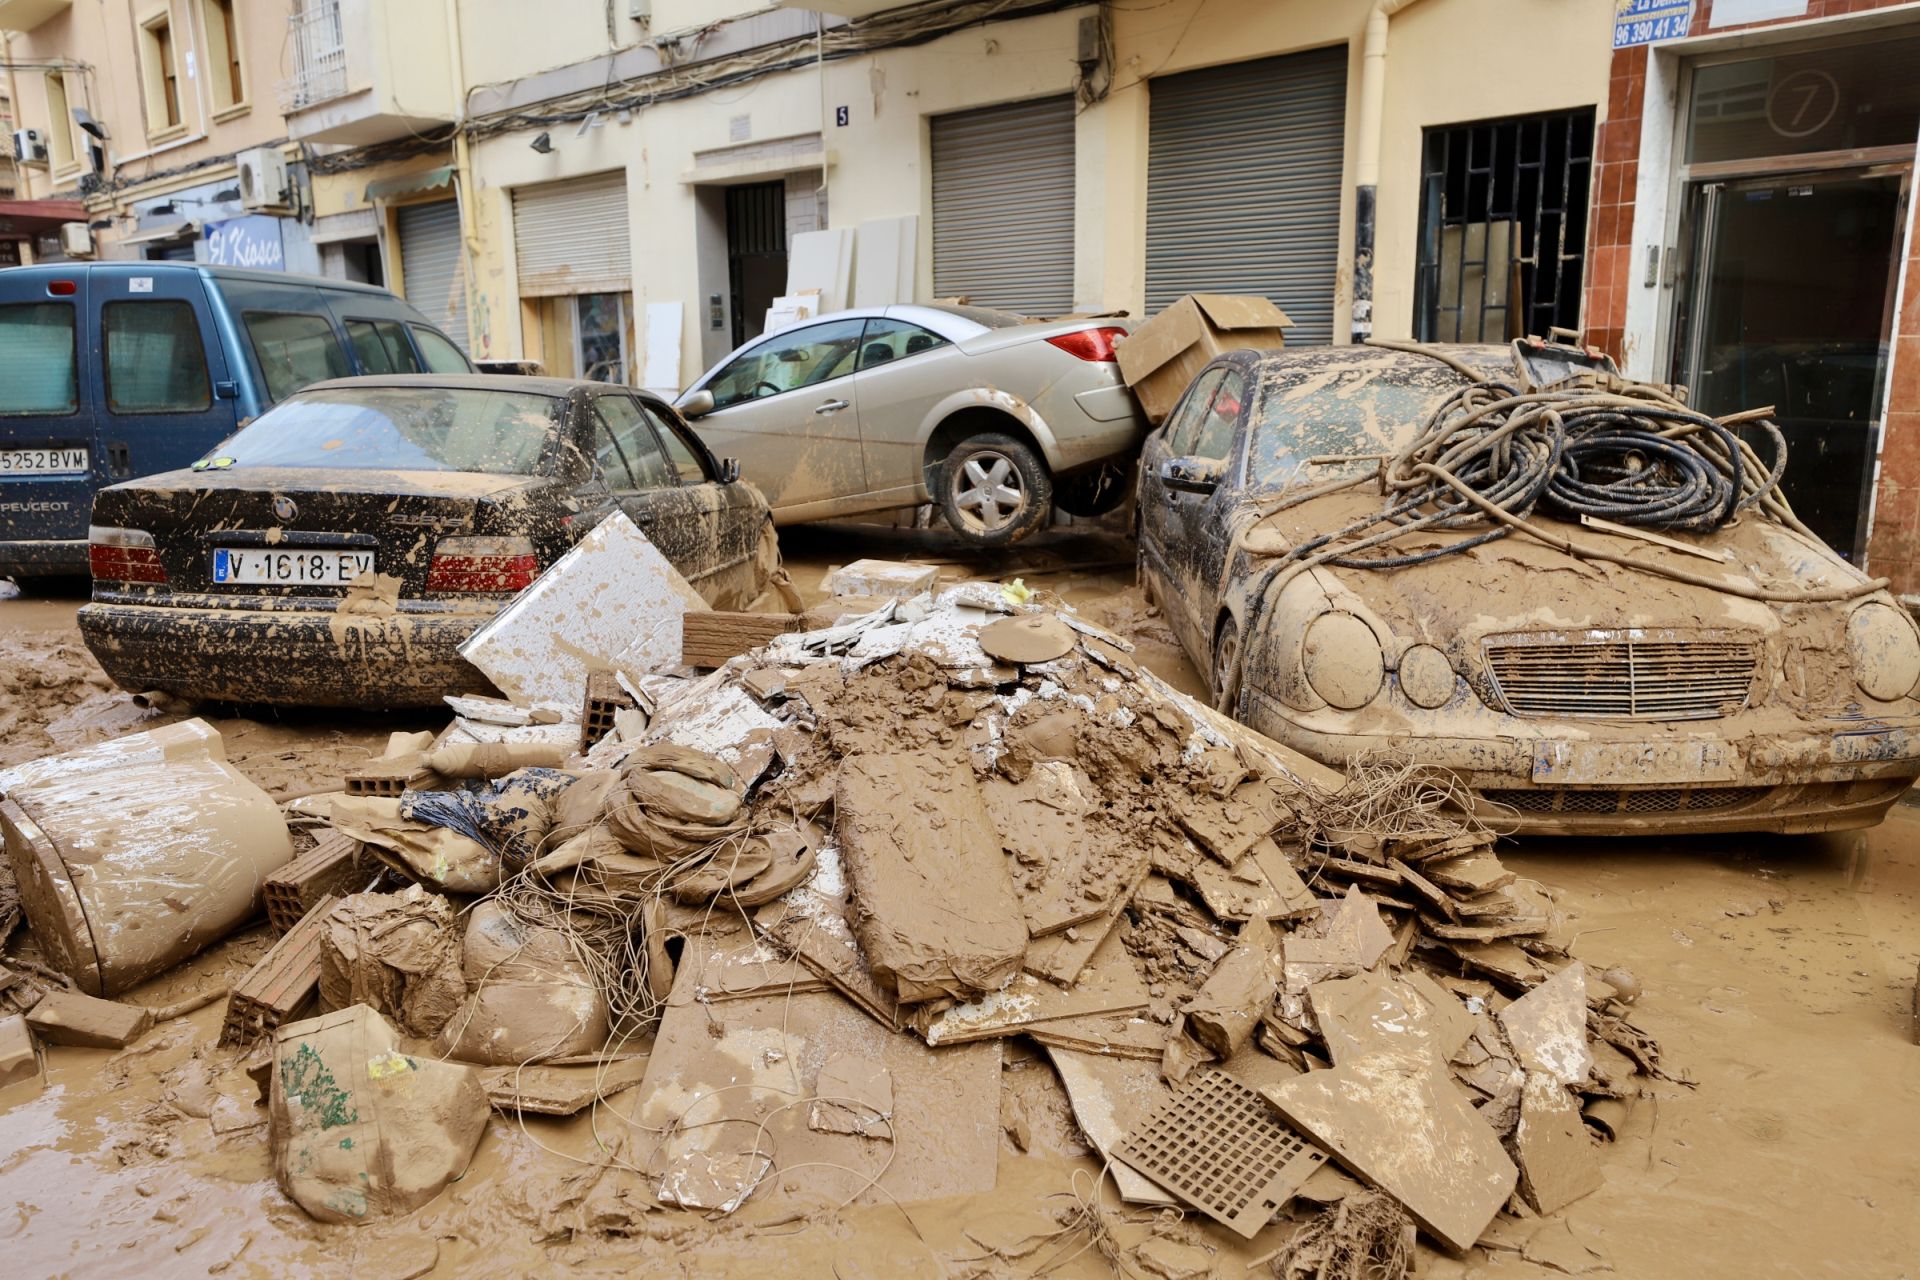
{"x":1494,"y":453}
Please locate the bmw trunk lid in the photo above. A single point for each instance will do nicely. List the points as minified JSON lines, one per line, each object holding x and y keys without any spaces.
{"x":262,"y":533}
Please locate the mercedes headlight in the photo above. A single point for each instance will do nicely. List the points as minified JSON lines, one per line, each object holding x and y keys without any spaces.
{"x":1342,"y":660}
{"x":1885,"y":649}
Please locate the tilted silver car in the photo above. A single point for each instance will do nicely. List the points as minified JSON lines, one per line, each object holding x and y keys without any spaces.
{"x":995,"y":417}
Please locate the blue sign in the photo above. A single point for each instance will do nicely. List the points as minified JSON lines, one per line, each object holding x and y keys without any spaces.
{"x":1650,"y":21}
{"x":252,"y":241}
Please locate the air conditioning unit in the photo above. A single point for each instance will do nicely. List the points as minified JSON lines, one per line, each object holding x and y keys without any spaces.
{"x":30,"y":147}
{"x":264,"y":182}
{"x":76,"y":239}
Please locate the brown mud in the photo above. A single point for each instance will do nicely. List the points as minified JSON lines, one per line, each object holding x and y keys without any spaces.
{"x":1777,"y":973}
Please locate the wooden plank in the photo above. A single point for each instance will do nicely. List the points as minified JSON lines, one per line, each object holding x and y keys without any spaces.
{"x":709,"y":638}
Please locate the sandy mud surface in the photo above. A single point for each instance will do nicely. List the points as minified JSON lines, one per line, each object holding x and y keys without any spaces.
{"x":1778,"y":976}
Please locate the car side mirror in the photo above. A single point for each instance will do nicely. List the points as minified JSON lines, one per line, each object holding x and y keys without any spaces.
{"x":729,"y":471}
{"x":1190,"y":475}
{"x":697,"y":405}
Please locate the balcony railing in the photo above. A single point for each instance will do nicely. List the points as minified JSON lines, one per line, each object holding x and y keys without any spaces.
{"x":319,"y":44}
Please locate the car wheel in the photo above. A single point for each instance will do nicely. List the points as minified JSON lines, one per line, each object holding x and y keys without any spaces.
{"x":1224,"y":679}
{"x":1096,"y":490}
{"x":994,"y":490}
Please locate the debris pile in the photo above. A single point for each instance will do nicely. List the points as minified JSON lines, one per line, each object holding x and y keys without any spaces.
{"x":826,"y":883}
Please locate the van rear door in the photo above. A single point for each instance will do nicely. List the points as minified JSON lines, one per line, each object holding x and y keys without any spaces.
{"x":166,"y":394}
{"x":48,"y":462}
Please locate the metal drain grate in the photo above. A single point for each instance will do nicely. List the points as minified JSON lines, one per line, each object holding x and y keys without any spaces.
{"x":1223,"y":1149}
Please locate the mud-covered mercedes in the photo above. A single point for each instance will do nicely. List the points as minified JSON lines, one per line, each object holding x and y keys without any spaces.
{"x":1589,"y":676}
{"x":253,"y":575}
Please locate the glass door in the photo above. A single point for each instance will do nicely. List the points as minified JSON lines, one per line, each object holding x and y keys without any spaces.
{"x":1788,"y":302}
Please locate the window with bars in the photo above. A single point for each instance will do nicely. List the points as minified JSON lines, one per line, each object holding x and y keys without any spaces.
{"x":1503,"y":227}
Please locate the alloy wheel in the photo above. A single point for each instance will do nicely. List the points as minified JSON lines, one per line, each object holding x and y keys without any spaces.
{"x":989,"y":492}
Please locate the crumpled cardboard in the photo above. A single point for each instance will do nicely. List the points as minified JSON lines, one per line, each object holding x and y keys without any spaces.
{"x":361,"y":1129}
{"x":399,"y":953}
{"x":531,"y":1000}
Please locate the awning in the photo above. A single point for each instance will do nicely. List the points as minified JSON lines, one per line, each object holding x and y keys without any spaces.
{"x":410,"y":184}
{"x":29,"y":217}
{"x":172,"y":229}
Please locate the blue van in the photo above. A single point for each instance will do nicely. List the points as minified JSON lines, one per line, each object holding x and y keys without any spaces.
{"x":111,"y":370}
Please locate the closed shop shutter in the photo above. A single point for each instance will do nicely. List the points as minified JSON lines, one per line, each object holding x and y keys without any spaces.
{"x":1003,"y":206}
{"x":571,"y":236}
{"x":1243,"y":185}
{"x":432,"y":266}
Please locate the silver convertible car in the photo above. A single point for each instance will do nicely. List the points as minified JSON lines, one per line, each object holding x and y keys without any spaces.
{"x":995,"y":417}
{"x":1741,"y":678}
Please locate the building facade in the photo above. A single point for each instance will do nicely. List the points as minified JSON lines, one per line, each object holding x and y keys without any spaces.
{"x":1753,"y":240}
{"x":160,"y":115}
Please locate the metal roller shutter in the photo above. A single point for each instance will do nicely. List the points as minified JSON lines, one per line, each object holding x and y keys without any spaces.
{"x":1243,"y":185}
{"x":1003,"y":206}
{"x":432,"y":267}
{"x":571,"y":236}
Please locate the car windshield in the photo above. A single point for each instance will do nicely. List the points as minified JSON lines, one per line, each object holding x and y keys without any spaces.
{"x":1342,"y":411}
{"x":399,"y":429}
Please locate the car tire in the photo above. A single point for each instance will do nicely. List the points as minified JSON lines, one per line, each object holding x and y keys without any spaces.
{"x":1097,"y":490}
{"x":994,"y":490}
{"x":1224,"y":679}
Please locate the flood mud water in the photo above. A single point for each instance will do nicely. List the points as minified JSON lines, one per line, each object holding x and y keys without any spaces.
{"x":1777,"y":974}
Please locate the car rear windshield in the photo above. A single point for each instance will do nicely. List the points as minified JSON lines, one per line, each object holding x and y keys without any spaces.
{"x":400,"y":429}
{"x":1339,"y":412}
{"x":36,"y":360}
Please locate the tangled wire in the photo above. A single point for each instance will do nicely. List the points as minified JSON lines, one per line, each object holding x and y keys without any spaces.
{"x":1623,"y":451}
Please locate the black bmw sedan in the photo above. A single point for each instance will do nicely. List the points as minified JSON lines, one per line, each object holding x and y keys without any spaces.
{"x":337,"y":550}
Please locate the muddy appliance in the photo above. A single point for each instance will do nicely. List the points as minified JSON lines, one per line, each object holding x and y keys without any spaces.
{"x":136,"y":854}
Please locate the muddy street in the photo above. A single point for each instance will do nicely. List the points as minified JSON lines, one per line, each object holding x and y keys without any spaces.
{"x":1776,"y":973}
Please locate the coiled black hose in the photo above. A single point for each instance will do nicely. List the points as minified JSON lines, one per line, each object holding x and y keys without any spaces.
{"x":1625,"y":452}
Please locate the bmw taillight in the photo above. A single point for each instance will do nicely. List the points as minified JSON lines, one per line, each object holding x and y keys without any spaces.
{"x":482,"y":566}
{"x":123,"y":555}
{"x":1090,"y":344}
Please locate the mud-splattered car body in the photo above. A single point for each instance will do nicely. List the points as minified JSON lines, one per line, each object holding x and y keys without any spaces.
{"x":461,"y":490}
{"x":1568,"y":695}
{"x":993,"y":416}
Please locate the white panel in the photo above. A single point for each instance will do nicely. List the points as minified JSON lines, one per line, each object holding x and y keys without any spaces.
{"x":612,"y":602}
{"x":884,"y":261}
{"x":662,"y":369}
{"x":822,"y":260}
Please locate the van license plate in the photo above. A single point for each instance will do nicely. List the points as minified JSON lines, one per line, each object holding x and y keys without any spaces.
{"x":256,"y":566}
{"x":44,"y":462}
